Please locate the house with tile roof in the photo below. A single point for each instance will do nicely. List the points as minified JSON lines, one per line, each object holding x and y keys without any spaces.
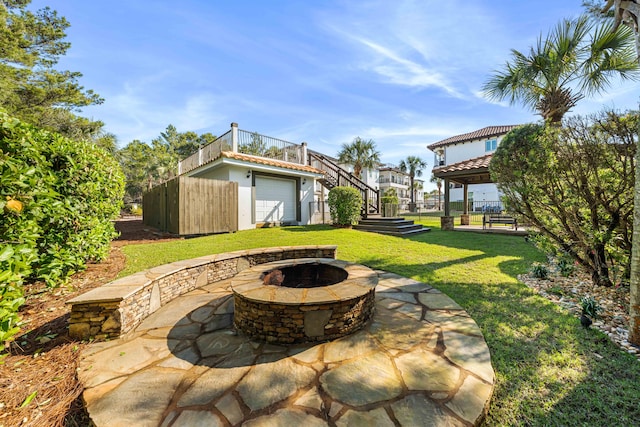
{"x":278,"y":182}
{"x":462,"y":161}
{"x":275,"y":181}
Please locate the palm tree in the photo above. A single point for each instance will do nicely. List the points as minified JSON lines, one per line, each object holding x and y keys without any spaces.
{"x":412,"y":165}
{"x":417,"y":186}
{"x":438,"y":182}
{"x":577,"y":58}
{"x":360,"y":154}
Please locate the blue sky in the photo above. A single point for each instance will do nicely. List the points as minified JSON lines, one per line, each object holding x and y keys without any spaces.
{"x":404,"y":73}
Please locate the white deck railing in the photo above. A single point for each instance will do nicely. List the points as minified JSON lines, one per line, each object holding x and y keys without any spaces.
{"x":240,"y":141}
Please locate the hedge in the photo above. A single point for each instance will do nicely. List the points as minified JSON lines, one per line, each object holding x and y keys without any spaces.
{"x":58,"y":198}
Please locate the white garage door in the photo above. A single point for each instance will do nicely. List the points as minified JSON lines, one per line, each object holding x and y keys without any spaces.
{"x":275,"y":199}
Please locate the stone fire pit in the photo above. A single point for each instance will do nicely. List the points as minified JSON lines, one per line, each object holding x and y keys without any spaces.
{"x":304,"y":300}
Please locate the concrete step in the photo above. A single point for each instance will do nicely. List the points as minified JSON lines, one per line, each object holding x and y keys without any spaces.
{"x":387,"y":222}
{"x":399,"y":233}
{"x":391,"y":226}
{"x":377,"y":217}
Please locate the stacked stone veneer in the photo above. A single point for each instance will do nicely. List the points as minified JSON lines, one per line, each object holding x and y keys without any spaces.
{"x":117,"y":307}
{"x":286,"y":315}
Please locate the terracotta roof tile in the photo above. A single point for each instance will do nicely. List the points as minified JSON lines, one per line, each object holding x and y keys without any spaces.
{"x":269,"y":162}
{"x":485,"y":132}
{"x":466,"y":165}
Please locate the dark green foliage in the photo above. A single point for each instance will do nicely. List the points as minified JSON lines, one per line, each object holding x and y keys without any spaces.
{"x":575,"y":185}
{"x":590,"y":306}
{"x":57,"y":200}
{"x":539,"y":271}
{"x":146,"y":165}
{"x":345,"y":204}
{"x":389,"y":203}
{"x":390,"y":196}
{"x":566,"y":265}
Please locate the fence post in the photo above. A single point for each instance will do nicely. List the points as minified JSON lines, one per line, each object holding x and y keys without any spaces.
{"x":179,"y":167}
{"x":234,"y":137}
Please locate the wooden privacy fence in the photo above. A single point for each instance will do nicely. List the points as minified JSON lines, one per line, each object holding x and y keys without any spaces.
{"x":190,"y":206}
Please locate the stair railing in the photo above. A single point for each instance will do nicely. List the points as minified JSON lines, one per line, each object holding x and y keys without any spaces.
{"x":336,"y":176}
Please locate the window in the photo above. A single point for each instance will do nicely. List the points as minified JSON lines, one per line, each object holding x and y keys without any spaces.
{"x":491,"y":145}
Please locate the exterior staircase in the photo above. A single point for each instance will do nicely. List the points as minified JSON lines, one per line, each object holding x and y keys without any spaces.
{"x":335,"y":176}
{"x":393,"y":226}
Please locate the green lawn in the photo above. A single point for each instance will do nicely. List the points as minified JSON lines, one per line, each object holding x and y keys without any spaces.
{"x":550,"y":371}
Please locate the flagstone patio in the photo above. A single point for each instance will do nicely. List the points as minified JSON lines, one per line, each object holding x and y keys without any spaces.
{"x":421,"y":361}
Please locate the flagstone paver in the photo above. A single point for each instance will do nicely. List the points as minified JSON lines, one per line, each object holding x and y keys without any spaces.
{"x":420,"y":361}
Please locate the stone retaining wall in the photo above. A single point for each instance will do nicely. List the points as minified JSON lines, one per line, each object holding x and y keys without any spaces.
{"x":117,"y":307}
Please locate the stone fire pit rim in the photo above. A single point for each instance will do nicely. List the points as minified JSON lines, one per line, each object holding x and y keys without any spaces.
{"x":360,"y":280}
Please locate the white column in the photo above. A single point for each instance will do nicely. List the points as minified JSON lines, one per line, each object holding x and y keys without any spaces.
{"x":234,"y":137}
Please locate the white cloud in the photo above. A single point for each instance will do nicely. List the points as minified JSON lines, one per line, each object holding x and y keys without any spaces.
{"x":132,"y":113}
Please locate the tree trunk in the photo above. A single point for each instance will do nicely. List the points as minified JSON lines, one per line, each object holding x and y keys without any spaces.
{"x":411,"y":189}
{"x":634,"y":306}
{"x":633,"y":8}
{"x":600,"y":272}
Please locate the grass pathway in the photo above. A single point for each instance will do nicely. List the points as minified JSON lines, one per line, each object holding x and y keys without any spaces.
{"x":550,"y":371}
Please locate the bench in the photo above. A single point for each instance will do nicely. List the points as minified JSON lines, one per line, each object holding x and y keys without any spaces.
{"x":116,"y":308}
{"x":491,"y":219}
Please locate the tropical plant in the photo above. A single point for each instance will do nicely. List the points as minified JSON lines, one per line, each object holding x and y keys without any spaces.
{"x":412,"y":165}
{"x":590,"y":306}
{"x":578,"y":58}
{"x":438,"y":182}
{"x":345,"y":205}
{"x":360,"y":154}
{"x":539,"y":271}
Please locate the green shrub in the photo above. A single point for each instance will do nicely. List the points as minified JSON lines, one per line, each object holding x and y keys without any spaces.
{"x":566,"y":265}
{"x":389,"y":202}
{"x":539,"y":271}
{"x":590,"y":306}
{"x":390,"y":197}
{"x":57,"y":200}
{"x":345,"y":204}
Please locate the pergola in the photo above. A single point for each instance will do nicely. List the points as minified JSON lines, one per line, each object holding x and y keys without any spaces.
{"x":472,"y":171}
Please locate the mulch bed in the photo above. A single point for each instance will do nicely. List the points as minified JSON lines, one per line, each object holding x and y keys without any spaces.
{"x":568,"y":291}
{"x":38,"y":384}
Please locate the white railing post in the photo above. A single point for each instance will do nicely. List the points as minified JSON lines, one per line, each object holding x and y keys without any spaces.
{"x":179,"y":167}
{"x":200,"y":156}
{"x":305,"y":160}
{"x":234,"y":137}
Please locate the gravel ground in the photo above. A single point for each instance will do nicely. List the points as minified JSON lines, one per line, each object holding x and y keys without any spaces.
{"x":568,"y":291}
